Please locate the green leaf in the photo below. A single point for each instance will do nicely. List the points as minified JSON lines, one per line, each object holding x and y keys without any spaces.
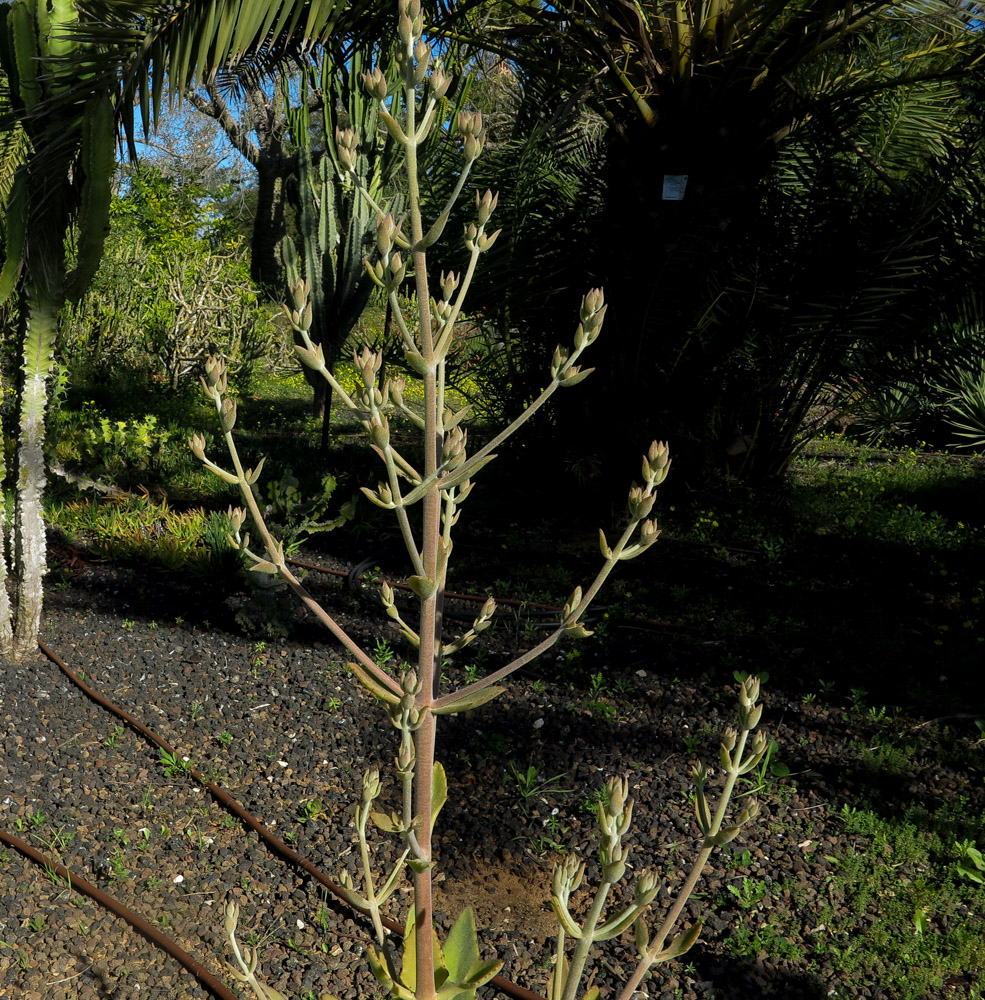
{"x":439,"y":791}
{"x":462,"y":948}
{"x":422,"y":586}
{"x":681,"y":944}
{"x":467,"y":702}
{"x":383,"y":822}
{"x":482,"y":972}
{"x":391,"y":695}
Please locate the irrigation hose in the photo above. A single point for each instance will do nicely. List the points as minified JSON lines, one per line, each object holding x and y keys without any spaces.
{"x":500,"y":983}
{"x":215,"y":986}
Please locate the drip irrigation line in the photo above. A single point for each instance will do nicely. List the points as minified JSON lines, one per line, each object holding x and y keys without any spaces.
{"x":215,"y":986}
{"x":500,"y":983}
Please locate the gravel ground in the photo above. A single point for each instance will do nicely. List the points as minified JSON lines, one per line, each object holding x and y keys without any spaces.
{"x":280,"y":725}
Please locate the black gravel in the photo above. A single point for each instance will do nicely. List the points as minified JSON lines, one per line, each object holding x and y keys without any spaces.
{"x":278,"y":722}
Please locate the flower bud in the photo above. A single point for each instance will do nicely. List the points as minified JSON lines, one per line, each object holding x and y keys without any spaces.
{"x":453,"y":449}
{"x":485,"y":242}
{"x":572,"y":602}
{"x":485,"y":206}
{"x":422,"y":56}
{"x":656,"y":463}
{"x":561,"y":355}
{"x":237,"y":517}
{"x":749,"y":716}
{"x":591,"y":303}
{"x":379,"y":431}
{"x":397,"y":269}
{"x":645,"y":890}
{"x":371,"y":784}
{"x":345,"y":143}
{"x":227,"y":415}
{"x":649,"y":532}
{"x":449,"y":282}
{"x":750,"y":812}
{"x":473,"y":146}
{"x":197,"y":444}
{"x":640,"y":504}
{"x":385,"y":228}
{"x":440,"y":81}
{"x":749,"y":691}
{"x":215,"y":372}
{"x":375,"y":84}
{"x":405,"y":29}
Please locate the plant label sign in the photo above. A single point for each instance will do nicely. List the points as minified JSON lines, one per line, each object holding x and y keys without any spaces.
{"x":674,"y":185}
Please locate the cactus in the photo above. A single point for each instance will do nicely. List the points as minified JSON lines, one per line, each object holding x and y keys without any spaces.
{"x":69,"y":140}
{"x":335,"y":227}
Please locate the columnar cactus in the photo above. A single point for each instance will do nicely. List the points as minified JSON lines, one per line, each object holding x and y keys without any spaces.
{"x":65,"y":142}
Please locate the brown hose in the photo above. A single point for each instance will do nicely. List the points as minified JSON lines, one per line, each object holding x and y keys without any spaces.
{"x":215,"y":986}
{"x":500,"y":983}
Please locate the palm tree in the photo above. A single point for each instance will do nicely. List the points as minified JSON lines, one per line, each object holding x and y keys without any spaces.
{"x":712,"y":93}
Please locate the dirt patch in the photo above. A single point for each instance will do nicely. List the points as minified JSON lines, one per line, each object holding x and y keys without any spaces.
{"x":503,"y":900}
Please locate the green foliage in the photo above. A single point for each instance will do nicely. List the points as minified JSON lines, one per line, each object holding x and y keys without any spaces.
{"x":89,"y":440}
{"x":173,"y":285}
{"x":143,"y":530}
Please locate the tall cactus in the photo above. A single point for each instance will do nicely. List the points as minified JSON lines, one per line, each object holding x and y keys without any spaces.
{"x":69,"y":141}
{"x":335,"y":227}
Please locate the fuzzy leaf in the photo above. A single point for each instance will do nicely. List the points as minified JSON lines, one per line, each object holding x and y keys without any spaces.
{"x":467,"y":702}
{"x":422,"y":586}
{"x":681,"y":944}
{"x":572,"y":929}
{"x":391,"y":695}
{"x":439,"y":791}
{"x":615,"y":925}
{"x":462,"y":948}
{"x":482,"y":972}
{"x":383,"y":822}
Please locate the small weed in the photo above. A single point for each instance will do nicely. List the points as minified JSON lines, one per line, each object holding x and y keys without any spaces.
{"x":382,"y":653}
{"x":197,"y":710}
{"x":36,"y":923}
{"x":56,"y":841}
{"x":175,"y":766}
{"x":116,"y":865}
{"x":531,"y":784}
{"x":748,"y":893}
{"x":334,"y":704}
{"x":127,"y":623}
{"x":114,"y":737}
{"x":971,"y":864}
{"x":224,"y":738}
{"x":311,"y":810}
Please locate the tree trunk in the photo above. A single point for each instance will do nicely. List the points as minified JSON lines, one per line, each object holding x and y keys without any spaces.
{"x":269,"y":228}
